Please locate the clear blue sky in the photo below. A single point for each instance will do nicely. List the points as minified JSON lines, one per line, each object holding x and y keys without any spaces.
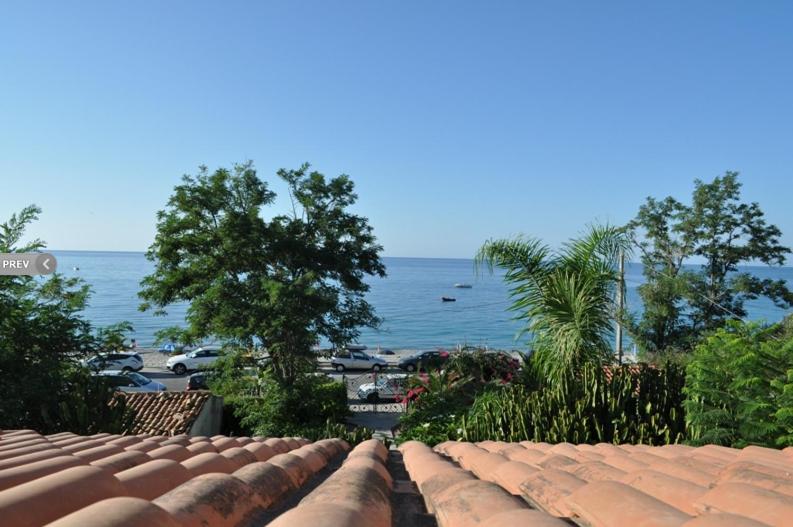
{"x":458,"y":121}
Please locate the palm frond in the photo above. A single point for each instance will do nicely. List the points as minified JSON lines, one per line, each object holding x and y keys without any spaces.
{"x":566,"y":299}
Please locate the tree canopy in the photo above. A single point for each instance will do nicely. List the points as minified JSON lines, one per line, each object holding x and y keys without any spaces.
{"x":680,"y":302}
{"x":283,"y":283}
{"x":42,"y":338}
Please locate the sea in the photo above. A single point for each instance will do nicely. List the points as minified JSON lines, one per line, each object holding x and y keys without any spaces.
{"x":408,"y":300}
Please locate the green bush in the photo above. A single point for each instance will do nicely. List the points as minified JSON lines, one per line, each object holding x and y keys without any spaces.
{"x":88,"y":405}
{"x":437,"y":399}
{"x":739,"y":387}
{"x":483,"y":366}
{"x":433,"y":418}
{"x":627,"y":404}
{"x":258,"y":403}
{"x":353,"y":435}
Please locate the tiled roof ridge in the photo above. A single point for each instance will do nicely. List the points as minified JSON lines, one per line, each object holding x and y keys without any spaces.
{"x":602,"y":485}
{"x":356,"y":495}
{"x":150,"y":480}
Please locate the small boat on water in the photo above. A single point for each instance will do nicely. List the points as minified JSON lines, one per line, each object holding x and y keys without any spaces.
{"x":463,"y":286}
{"x":448,"y":299}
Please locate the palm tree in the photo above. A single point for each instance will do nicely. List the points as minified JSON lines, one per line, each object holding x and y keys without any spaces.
{"x":565,"y":297}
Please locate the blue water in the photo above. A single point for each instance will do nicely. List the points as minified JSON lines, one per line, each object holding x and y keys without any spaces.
{"x":409,"y":300}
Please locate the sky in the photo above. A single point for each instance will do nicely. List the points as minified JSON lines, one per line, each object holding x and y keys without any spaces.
{"x":458,"y":121}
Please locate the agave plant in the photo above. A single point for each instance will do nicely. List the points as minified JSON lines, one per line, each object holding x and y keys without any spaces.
{"x":565,"y":297}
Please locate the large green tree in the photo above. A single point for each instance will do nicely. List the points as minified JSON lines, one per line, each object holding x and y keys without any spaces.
{"x":681,"y":302}
{"x":283,"y":282}
{"x":739,"y":386}
{"x":42,"y":338}
{"x":566,"y":298}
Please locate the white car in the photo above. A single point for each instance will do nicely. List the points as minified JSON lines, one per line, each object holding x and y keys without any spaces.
{"x":115,"y":361}
{"x":386,"y":387}
{"x":130,"y":381}
{"x":356,"y":360}
{"x":193,"y":360}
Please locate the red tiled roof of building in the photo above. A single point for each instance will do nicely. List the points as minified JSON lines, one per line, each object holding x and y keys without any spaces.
{"x":165,"y":413}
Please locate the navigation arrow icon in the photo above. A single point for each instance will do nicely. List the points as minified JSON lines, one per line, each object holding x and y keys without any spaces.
{"x":46,"y":263}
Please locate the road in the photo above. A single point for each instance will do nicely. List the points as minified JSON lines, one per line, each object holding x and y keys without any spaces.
{"x":179,"y":382}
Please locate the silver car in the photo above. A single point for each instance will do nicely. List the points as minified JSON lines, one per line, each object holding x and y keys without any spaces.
{"x":356,"y":360}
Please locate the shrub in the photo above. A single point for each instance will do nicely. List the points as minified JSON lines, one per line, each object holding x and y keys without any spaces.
{"x":437,"y":400}
{"x":739,"y":387}
{"x":258,"y":403}
{"x":88,"y":405}
{"x":619,"y":404}
{"x":433,"y":417}
{"x":483,"y":366}
{"x":292,"y":410}
{"x":353,"y":435}
{"x":624,"y":404}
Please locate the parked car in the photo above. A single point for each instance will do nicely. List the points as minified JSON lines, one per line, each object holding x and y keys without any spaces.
{"x":356,"y":360}
{"x":389,"y":387}
{"x":130,"y":381}
{"x":193,"y":360}
{"x":424,"y":359}
{"x":384,"y":351}
{"x":197,"y":381}
{"x":115,"y":361}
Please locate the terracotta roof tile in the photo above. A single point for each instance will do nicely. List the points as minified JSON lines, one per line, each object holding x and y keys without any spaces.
{"x":763,"y":505}
{"x":614,"y":504}
{"x":121,"y":461}
{"x":159,"y":478}
{"x":676,"y":492}
{"x":723,"y":520}
{"x":129,"y":512}
{"x":51,"y":497}
{"x":524,"y":455}
{"x":165,"y":413}
{"x":353,"y":496}
{"x":594,"y":471}
{"x":210,"y":499}
{"x":110,"y":481}
{"x":604,"y":484}
{"x":511,"y":475}
{"x":548,"y":488}
{"x":11,"y":477}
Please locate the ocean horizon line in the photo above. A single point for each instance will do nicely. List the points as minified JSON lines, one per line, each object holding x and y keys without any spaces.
{"x":453,"y":258}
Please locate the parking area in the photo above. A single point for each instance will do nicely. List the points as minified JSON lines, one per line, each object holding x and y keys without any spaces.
{"x":154,"y":368}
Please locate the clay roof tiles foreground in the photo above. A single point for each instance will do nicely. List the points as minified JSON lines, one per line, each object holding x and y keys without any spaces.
{"x":536,"y":484}
{"x":65,"y":480}
{"x":110,"y":480}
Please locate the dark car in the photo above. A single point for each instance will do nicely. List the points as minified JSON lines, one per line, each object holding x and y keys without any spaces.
{"x":424,"y":360}
{"x":197,"y":381}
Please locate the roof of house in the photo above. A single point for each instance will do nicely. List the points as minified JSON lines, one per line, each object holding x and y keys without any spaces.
{"x":165,"y":413}
{"x":64,"y":480}
{"x":69,"y":480}
{"x":602,"y":485}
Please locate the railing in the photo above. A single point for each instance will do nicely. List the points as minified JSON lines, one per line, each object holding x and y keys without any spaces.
{"x":382,"y":402}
